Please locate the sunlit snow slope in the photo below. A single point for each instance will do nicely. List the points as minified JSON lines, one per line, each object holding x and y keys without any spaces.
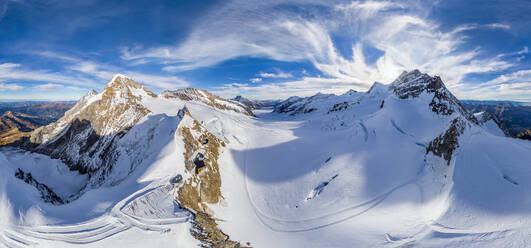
{"x":403,"y":164}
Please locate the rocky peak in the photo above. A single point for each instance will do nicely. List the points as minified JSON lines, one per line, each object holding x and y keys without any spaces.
{"x":85,"y":137}
{"x":412,"y":84}
{"x":125,"y":87}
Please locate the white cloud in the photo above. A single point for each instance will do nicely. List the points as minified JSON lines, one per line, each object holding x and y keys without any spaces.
{"x":515,"y":85}
{"x":256,"y":80}
{"x":499,"y":26}
{"x":12,"y":71}
{"x":48,"y":86}
{"x":79,"y":73}
{"x":11,"y":87}
{"x":52,"y":86}
{"x":406,"y":37}
{"x":277,"y":74}
{"x":106,"y":72}
{"x":55,"y":55}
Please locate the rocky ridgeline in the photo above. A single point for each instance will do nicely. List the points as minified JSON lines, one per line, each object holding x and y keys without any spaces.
{"x":413,"y":84}
{"x":85,"y":137}
{"x":207,"y":98}
{"x":203,"y":184}
{"x":93,"y":136}
{"x":408,"y":86}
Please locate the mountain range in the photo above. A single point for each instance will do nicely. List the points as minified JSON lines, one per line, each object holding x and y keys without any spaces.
{"x":513,"y":117}
{"x":403,"y":164}
{"x":19,"y":118}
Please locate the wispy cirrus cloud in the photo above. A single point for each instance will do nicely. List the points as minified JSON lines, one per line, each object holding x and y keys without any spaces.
{"x":48,"y":86}
{"x":105,"y":72}
{"x":52,"y":86}
{"x":515,"y":85}
{"x":77,"y":75}
{"x":14,"y":71}
{"x":10,"y":87}
{"x":276,"y":74}
{"x":401,"y":31}
{"x":83,"y":72}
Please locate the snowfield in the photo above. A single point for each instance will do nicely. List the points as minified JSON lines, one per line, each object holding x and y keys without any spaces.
{"x":353,"y":170}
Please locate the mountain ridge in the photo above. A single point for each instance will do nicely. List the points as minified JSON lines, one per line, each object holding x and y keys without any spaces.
{"x":400,"y":153}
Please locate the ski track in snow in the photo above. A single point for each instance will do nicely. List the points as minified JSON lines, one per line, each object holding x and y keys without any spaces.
{"x":345,"y":214}
{"x":325,"y":220}
{"x":96,"y":229}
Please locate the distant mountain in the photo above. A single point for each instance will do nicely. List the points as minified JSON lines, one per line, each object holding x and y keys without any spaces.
{"x":19,"y":118}
{"x":207,"y":98}
{"x":513,"y":117}
{"x":11,"y":120}
{"x":15,"y":125}
{"x":495,"y":103}
{"x":255,"y":104}
{"x":49,"y":111}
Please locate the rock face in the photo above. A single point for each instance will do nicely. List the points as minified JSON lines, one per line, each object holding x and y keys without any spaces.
{"x":445,"y":144}
{"x":46,"y":193}
{"x":203,"y":184}
{"x":85,"y":139}
{"x":207,"y":98}
{"x":412,"y":84}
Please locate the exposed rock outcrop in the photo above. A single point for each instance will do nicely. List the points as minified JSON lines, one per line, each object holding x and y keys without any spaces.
{"x":86,"y":137}
{"x":525,"y":134}
{"x":46,"y":193}
{"x":412,"y":84}
{"x":445,"y":144}
{"x":203,"y":184}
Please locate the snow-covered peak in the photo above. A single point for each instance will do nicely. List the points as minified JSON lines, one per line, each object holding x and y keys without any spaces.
{"x":124,"y":89}
{"x":203,"y":96}
{"x":317,"y":103}
{"x":406,"y":76}
{"x":350,"y":92}
{"x":378,"y":88}
{"x":91,"y":93}
{"x":413,"y":84}
{"x":118,"y":77}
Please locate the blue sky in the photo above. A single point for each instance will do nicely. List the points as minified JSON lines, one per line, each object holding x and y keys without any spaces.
{"x":58,"y":50}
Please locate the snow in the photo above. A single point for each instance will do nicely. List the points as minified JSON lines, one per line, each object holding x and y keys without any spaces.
{"x":355,"y":177}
